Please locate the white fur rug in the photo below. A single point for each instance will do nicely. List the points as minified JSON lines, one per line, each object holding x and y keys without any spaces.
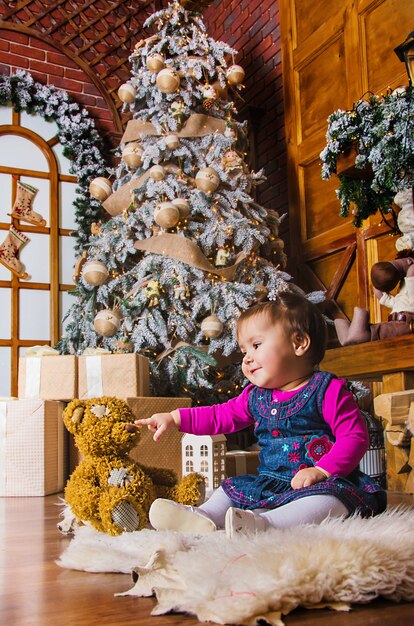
{"x":245,"y":580}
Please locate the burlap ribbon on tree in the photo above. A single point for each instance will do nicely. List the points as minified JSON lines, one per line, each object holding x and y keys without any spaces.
{"x":197,"y":125}
{"x":182,"y":249}
{"x":121,"y":199}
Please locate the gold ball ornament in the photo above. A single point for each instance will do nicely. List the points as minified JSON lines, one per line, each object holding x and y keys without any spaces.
{"x":157,"y":172}
{"x":132,"y":154}
{"x":166,"y":215}
{"x":235,"y":74}
{"x":127,"y":93}
{"x":182,"y":205}
{"x":172,"y":141}
{"x":155,"y":63}
{"x":207,"y":179}
{"x":168,"y":80}
{"x":107,"y":322}
{"x":100,"y":188}
{"x":212,"y":327}
{"x":95,"y":273}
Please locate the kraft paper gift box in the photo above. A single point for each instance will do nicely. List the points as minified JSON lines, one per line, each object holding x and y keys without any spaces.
{"x":120,"y":375}
{"x":241,"y":462}
{"x":167,"y":451}
{"x":32,"y":447}
{"x":48,"y":377}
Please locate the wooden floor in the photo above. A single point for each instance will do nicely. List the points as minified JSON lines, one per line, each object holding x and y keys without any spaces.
{"x":36,"y":592}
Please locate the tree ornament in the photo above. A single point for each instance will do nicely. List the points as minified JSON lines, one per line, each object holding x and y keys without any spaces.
{"x":155,"y":63}
{"x":231,"y":160}
{"x":168,"y":80}
{"x":222,"y":256}
{"x":209,"y":96}
{"x":95,"y":273}
{"x":177,"y":109}
{"x":212,"y":327}
{"x":152,"y":292}
{"x":182,"y":205}
{"x":181,"y":290}
{"x":132,"y":154}
{"x":123,"y":346}
{"x":96,"y":228}
{"x":230,"y":132}
{"x":172,"y":141}
{"x":127,"y":93}
{"x":221,"y":92}
{"x":157,"y":172}
{"x":100,"y":188}
{"x":207,"y":179}
{"x":107,"y":322}
{"x":235,"y":74}
{"x":166,"y":215}
{"x":77,"y":270}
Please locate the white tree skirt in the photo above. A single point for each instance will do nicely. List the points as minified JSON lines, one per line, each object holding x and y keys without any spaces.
{"x":240,"y":581}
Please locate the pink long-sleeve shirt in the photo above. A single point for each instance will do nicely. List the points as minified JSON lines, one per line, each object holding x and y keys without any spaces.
{"x":339,"y":410}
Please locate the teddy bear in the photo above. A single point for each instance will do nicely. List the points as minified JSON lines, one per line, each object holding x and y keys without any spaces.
{"x":108,"y":489}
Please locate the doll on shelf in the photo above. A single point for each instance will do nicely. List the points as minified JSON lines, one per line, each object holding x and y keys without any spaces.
{"x":385,"y":276}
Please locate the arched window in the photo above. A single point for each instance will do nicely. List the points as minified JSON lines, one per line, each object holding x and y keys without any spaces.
{"x":203,"y":450}
{"x":32,"y":309}
{"x":189,"y":450}
{"x":204,"y":466}
{"x":189,"y":466}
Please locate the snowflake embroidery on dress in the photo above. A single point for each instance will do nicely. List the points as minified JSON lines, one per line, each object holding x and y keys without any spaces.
{"x":318,"y":447}
{"x":294,"y":457}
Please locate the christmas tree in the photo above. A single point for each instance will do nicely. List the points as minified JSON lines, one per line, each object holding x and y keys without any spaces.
{"x":184,"y":248}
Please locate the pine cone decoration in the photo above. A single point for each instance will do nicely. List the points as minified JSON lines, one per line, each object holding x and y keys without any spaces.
{"x":208,"y":103}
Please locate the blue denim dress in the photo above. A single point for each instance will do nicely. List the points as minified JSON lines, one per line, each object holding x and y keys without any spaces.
{"x":293,"y":435}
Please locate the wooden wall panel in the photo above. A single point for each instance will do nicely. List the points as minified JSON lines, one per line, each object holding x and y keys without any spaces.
{"x":333,"y":53}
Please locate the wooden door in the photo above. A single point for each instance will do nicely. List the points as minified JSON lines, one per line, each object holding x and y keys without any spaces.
{"x":333,"y":54}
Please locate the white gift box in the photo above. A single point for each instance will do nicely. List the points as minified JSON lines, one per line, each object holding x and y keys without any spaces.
{"x":32,"y":447}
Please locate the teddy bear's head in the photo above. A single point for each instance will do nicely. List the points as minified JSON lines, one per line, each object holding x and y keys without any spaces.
{"x":100,"y":426}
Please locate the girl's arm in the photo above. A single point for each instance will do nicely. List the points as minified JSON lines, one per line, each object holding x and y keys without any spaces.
{"x":205,"y":420}
{"x":349,"y":428}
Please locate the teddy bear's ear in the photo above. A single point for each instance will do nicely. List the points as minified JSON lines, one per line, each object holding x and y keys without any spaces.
{"x":73,"y":414}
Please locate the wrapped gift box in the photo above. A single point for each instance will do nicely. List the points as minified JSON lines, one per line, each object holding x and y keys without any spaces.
{"x":167,"y":451}
{"x":32,"y":447}
{"x":48,"y":377}
{"x":120,"y":375}
{"x":241,"y":462}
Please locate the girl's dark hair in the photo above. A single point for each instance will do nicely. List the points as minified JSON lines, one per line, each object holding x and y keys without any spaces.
{"x":298,"y":315}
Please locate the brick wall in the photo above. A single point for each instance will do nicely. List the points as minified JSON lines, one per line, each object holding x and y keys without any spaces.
{"x":253,"y":28}
{"x":49,"y":66}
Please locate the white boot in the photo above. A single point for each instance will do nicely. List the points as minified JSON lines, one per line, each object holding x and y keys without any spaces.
{"x":169,"y":515}
{"x":241,"y":522}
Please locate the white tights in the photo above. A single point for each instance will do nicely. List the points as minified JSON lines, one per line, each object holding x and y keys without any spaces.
{"x":308,"y":510}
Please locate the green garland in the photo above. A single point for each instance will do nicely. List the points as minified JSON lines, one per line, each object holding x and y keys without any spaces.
{"x":77,"y":133}
{"x":382,"y":129}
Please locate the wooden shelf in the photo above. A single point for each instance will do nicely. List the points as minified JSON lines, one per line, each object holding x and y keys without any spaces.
{"x":370,"y":361}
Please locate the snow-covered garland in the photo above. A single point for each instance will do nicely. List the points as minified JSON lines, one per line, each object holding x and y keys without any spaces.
{"x":382,"y":128}
{"x":77,"y":133}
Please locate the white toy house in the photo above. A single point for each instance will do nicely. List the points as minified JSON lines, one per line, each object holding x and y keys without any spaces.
{"x":205,"y":454}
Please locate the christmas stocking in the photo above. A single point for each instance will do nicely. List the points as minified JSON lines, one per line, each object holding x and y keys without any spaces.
{"x":22,"y":207}
{"x":9,"y":250}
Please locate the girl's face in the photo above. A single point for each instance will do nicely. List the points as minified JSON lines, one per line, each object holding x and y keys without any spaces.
{"x":272,"y":359}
